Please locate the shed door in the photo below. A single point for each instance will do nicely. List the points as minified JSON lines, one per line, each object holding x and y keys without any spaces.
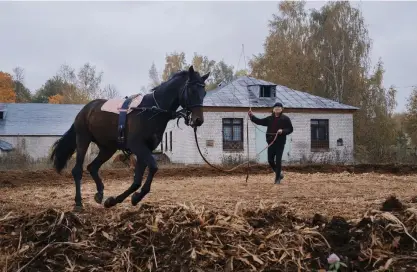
{"x":261,"y":144}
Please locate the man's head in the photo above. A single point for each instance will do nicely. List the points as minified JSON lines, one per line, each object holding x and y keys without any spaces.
{"x":277,"y":109}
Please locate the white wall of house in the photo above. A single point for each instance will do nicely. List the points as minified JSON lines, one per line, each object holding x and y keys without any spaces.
{"x":340,"y":126}
{"x":37,"y":147}
{"x":184,"y":149}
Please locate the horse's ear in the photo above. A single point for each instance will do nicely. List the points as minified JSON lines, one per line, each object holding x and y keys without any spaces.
{"x":204,"y":78}
{"x":191,"y":70}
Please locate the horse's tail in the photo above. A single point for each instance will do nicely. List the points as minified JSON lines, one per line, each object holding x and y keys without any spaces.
{"x":63,"y":149}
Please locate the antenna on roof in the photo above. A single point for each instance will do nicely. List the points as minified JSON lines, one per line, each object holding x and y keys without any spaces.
{"x":244,"y":60}
{"x":244,"y":57}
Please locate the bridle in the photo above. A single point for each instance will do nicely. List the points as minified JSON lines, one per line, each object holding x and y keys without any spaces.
{"x":185,"y":112}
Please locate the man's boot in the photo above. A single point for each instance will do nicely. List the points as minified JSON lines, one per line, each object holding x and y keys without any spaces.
{"x":278,"y":178}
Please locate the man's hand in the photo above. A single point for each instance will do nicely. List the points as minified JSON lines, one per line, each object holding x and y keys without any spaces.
{"x":279,"y":131}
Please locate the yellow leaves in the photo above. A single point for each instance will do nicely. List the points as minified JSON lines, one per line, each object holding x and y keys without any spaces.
{"x":56,"y":99}
{"x":173,"y":63}
{"x":7,"y":94}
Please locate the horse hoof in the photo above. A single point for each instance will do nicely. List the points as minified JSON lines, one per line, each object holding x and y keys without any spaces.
{"x":98,"y":197}
{"x":135,"y":199}
{"x":78,"y":208}
{"x":110,"y":202}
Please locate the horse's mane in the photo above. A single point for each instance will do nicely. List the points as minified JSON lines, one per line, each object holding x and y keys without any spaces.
{"x":180,"y":73}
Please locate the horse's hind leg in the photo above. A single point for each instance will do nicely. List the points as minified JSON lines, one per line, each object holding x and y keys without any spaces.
{"x":103,"y":155}
{"x":77,"y":172}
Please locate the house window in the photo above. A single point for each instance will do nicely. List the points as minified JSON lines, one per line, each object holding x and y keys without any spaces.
{"x":233,"y":134}
{"x":166,"y":142}
{"x":266,"y":91}
{"x":319,"y":134}
{"x":170,"y":141}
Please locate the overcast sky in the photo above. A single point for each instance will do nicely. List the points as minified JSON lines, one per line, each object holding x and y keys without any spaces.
{"x":123,"y":38}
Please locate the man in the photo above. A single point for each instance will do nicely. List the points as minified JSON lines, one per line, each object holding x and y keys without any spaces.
{"x":279,"y":123}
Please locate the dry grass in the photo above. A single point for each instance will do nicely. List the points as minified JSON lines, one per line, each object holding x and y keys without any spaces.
{"x":213,"y":224}
{"x":328,"y":194}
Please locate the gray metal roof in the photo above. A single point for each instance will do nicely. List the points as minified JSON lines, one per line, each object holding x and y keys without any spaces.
{"x":237,"y":94}
{"x":38,"y":118}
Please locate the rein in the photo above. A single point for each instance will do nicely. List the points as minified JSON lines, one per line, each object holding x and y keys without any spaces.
{"x":247,"y":144}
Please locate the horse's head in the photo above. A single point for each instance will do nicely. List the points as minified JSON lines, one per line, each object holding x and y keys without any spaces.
{"x":193,"y":95}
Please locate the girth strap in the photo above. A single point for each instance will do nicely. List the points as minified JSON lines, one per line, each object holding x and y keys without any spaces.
{"x":121,"y":139}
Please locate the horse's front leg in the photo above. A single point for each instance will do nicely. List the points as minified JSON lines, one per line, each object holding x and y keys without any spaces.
{"x":145,"y":155}
{"x":137,"y":182}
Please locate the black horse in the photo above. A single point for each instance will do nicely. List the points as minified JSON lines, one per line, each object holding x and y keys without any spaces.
{"x":143,"y":129}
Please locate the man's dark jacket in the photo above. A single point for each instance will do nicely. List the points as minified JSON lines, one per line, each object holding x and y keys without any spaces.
{"x":273,"y":124}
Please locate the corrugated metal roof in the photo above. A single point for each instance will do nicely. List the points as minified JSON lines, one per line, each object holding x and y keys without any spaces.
{"x":38,"y":118}
{"x":237,"y":94}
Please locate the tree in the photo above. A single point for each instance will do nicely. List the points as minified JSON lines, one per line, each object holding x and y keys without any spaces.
{"x":7,"y":94}
{"x":411,"y":117}
{"x":110,"y":92}
{"x":221,"y":73}
{"x":327,"y":52}
{"x":173,"y":63}
{"x":287,"y":59}
{"x":154,"y":76}
{"x":23,"y":94}
{"x":88,"y":81}
{"x":242,"y":72}
{"x":18,"y":74}
{"x":377,"y":125}
{"x":202,"y":64}
{"x":56,"y":99}
{"x":53,"y":86}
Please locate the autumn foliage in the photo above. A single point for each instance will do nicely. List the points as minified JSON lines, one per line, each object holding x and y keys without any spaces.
{"x":56,"y":99}
{"x":7,"y":93}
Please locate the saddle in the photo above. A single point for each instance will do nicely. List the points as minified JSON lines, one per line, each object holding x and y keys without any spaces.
{"x":122,"y":107}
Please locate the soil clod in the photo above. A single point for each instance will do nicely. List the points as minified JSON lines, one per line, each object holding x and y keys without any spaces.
{"x":392,"y":204}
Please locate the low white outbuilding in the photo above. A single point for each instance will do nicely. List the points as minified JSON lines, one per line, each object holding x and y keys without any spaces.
{"x":32,"y":128}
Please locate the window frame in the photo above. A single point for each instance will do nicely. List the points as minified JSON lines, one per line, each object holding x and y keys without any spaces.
{"x":317,"y":144}
{"x":166,"y":141}
{"x":266,"y":88}
{"x":170,"y":140}
{"x":233,"y":146}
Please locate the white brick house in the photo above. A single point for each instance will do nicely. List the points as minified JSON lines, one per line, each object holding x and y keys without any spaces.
{"x":323,"y":129}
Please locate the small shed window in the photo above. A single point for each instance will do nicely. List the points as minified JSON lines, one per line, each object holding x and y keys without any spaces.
{"x":319,"y":134}
{"x":340,"y":142}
